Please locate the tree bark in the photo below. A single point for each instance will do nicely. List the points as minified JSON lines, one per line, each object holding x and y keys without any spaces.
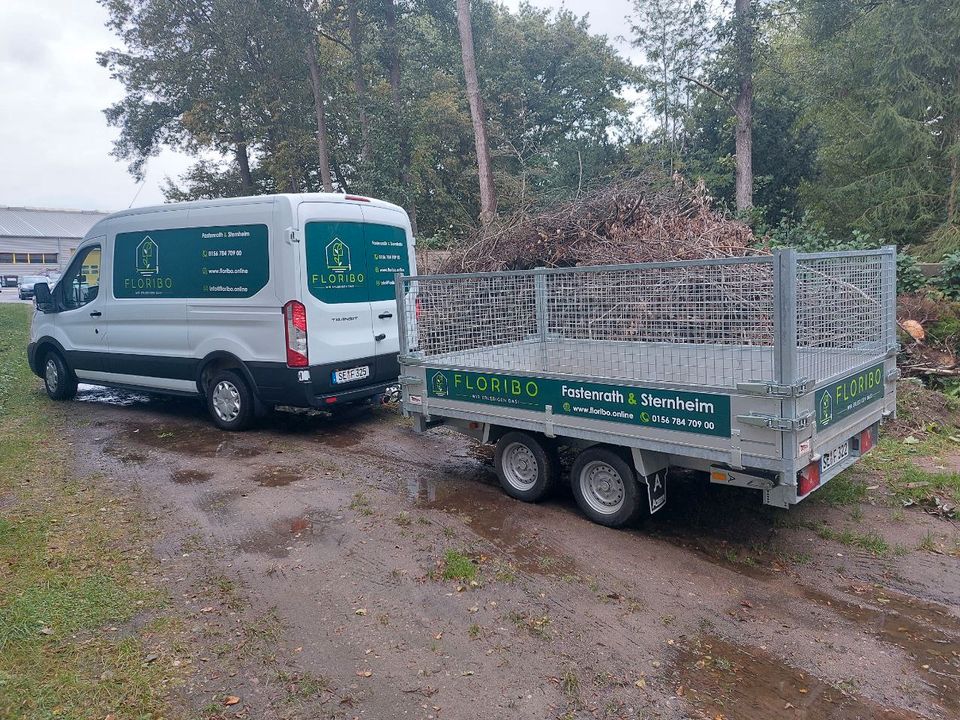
{"x":744,"y":105}
{"x":393,"y":55}
{"x":243,"y":164}
{"x":488,"y":196}
{"x":323,"y":142}
{"x":359,"y":81}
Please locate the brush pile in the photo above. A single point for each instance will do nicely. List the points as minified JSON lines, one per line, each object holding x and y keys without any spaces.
{"x":639,"y":219}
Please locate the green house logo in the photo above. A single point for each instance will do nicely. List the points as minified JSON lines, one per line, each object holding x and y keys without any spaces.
{"x":338,"y":256}
{"x":439,"y":383}
{"x":826,"y":409}
{"x":148,"y":257}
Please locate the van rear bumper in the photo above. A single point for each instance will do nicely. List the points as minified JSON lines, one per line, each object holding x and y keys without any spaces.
{"x":277,"y":384}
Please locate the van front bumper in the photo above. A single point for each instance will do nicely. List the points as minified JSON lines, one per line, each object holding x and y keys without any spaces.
{"x":32,"y":358}
{"x":277,"y":384}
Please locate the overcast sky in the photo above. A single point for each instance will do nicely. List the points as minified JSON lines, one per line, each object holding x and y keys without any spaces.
{"x":54,"y":141}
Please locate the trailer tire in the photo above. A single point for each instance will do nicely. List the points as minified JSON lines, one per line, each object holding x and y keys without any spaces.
{"x":526,"y":468}
{"x":605,"y":487}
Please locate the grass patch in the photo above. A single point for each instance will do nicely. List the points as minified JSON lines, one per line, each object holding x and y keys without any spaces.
{"x":70,"y":558}
{"x":871,"y":541}
{"x":457,"y":566}
{"x":843,"y":490}
{"x":913,"y":483}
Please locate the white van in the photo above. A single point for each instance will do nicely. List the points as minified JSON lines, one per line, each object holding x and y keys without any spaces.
{"x":247,"y":302}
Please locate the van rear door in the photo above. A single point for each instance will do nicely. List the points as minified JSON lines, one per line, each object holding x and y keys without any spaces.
{"x":334,"y":281}
{"x":386,"y":232}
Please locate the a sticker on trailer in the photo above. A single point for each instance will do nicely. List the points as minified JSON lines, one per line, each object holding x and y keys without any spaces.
{"x":657,"y":490}
{"x":845,"y":397}
{"x":701,"y":413}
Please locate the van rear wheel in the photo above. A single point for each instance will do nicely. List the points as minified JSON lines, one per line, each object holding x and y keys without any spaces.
{"x":59,"y":382}
{"x":230,"y":401}
{"x":526,"y":468}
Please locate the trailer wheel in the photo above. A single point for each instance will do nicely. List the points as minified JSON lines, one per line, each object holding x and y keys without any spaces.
{"x":527,"y":470}
{"x":605,"y":487}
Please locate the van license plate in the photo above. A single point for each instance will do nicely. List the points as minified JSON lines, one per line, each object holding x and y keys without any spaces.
{"x":831,"y":458}
{"x":345,"y":376}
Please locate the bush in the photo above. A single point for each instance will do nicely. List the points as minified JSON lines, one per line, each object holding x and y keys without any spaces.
{"x":810,"y":236}
{"x":949,"y":281}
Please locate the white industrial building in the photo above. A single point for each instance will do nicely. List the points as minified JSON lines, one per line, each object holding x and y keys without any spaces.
{"x":37,"y":241}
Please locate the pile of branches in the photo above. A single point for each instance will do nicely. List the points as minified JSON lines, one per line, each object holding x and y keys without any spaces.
{"x":637,"y":219}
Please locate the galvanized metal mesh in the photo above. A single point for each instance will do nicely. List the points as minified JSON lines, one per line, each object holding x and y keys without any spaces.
{"x":707,"y":323}
{"x":845,"y":306}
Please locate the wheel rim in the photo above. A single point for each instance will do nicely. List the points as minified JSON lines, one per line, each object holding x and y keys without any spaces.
{"x":51,"y":374}
{"x":226,"y":401}
{"x":520,"y":466}
{"x":602,"y":487}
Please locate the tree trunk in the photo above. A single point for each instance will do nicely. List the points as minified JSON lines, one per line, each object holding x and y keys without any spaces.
{"x":243,"y":164}
{"x":393,"y":53}
{"x":954,"y":183}
{"x":323,"y":142}
{"x":744,"y":105}
{"x":488,"y":196}
{"x":359,"y":81}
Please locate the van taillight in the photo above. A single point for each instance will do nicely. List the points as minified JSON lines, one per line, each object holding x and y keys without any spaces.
{"x":295,"y":327}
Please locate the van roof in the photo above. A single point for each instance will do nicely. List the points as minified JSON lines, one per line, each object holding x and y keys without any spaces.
{"x":293,"y":198}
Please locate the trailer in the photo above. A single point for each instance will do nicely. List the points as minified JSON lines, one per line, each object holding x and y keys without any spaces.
{"x":768,"y":372}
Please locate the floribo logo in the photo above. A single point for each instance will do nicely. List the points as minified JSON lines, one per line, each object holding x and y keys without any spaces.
{"x":826,"y":409}
{"x":148,"y":257}
{"x":440,"y":388}
{"x":338,"y":256}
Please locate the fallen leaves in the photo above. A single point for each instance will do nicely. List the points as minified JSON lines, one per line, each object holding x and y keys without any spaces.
{"x":231,"y":700}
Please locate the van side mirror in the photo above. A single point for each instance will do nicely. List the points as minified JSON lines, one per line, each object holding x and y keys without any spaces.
{"x":43,"y":297}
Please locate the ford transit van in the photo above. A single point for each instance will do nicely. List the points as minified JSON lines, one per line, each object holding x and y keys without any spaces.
{"x":249,"y":303}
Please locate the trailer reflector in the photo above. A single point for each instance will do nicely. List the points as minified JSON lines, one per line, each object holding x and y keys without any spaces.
{"x":809,"y":478}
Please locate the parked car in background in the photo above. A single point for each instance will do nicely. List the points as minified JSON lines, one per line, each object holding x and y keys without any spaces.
{"x":25,"y":287}
{"x":8,"y":281}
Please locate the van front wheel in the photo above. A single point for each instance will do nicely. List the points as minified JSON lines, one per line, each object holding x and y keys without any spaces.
{"x":230,"y":401}
{"x":58,"y":381}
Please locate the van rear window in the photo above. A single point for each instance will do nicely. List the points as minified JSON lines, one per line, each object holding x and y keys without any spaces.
{"x":354,"y":262}
{"x":231,"y":261}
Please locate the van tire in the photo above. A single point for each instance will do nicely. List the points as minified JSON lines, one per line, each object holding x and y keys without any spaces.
{"x":230,"y":402}
{"x":606,"y":488}
{"x":59,"y":382}
{"x":526,"y":468}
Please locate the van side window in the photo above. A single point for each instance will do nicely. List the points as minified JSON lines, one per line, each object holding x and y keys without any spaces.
{"x":81,"y":283}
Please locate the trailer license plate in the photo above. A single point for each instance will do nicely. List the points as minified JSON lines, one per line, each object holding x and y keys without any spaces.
{"x":345,"y":376}
{"x":831,"y":458}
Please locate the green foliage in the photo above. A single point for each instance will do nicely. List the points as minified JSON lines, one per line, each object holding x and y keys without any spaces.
{"x":949,"y":281}
{"x":910,"y":277}
{"x":881,"y":84}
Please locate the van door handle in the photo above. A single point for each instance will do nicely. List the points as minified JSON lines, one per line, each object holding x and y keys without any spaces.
{"x":385,"y":314}
{"x":96,"y":313}
{"x":380,"y":337}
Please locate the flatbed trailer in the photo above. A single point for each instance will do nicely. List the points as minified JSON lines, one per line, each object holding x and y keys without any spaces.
{"x":769,"y":372}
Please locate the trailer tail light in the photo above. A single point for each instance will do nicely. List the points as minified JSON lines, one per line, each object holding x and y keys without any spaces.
{"x":295,"y":328}
{"x":867,"y":440}
{"x":417,"y":308}
{"x":809,"y":478}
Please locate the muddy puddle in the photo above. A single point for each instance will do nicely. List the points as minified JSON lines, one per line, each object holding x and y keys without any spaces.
{"x":276,"y":476}
{"x":124,"y":454}
{"x":494,"y":517}
{"x":280,"y":537}
{"x":191,"y":441}
{"x":725,"y":680}
{"x":929,"y":635}
{"x":190,"y":476}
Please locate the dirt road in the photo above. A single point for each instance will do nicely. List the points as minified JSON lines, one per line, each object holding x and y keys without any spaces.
{"x":316,"y":562}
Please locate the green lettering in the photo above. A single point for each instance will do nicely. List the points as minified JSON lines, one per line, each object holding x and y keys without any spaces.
{"x":515,"y":387}
{"x":482,"y":384}
{"x":532,"y":392}
{"x":495,"y":384}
